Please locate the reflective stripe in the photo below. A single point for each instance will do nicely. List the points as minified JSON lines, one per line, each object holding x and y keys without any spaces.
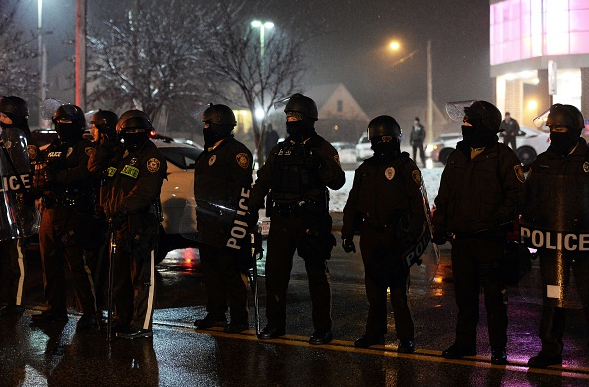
{"x":21,"y":266}
{"x":150,"y":298}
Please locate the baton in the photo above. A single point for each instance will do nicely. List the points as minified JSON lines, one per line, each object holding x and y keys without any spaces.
{"x":111,"y":272}
{"x":255,"y":283}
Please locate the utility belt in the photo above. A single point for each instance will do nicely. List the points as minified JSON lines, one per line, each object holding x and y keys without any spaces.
{"x":82,"y":200}
{"x":392,"y":221}
{"x":299,"y":208}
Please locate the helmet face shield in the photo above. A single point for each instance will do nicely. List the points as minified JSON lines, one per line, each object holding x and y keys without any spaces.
{"x":298,"y":103}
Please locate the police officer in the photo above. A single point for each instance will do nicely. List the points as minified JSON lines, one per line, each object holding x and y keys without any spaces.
{"x":105,"y":140}
{"x":481,"y":191}
{"x":298,"y":172}
{"x":222,"y":180}
{"x":385,"y":195}
{"x":556,"y":200}
{"x":134,"y":179}
{"x":16,"y":137}
{"x":68,"y":204}
{"x":416,"y":138}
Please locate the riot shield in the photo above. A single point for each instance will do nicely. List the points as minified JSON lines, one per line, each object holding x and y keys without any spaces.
{"x":217,"y":222}
{"x":424,"y":256}
{"x":556,"y":224}
{"x":18,"y":217}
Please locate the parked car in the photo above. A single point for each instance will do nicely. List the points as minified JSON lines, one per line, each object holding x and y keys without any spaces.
{"x":346,"y":151}
{"x":530,"y":143}
{"x":363,"y":148}
{"x":433,"y":149}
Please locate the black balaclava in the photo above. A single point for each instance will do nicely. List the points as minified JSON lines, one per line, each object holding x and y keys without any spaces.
{"x":385,"y":147}
{"x":135,"y":140}
{"x":300,"y":129}
{"x":563,"y":142}
{"x":477,"y":135}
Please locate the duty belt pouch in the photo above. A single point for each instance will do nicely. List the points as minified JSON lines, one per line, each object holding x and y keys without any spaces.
{"x":317,"y":241}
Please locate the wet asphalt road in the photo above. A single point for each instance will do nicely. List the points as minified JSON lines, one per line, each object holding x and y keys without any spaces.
{"x":180,"y":356}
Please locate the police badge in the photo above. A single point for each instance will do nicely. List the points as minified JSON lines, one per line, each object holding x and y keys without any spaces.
{"x":389,"y":173}
{"x":212,"y":160}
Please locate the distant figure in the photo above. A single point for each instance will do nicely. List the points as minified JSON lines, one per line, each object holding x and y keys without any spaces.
{"x":510,"y":127}
{"x":416,"y":139}
{"x":271,"y":140}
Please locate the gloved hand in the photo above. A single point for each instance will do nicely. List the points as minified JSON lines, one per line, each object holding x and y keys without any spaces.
{"x":439,"y":238}
{"x":348,"y":245}
{"x":312,"y":161}
{"x":118,"y":219}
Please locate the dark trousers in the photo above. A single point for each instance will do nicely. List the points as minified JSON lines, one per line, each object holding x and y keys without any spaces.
{"x":61,"y":238}
{"x":475,"y":264}
{"x":510,"y":141}
{"x":376,"y":246}
{"x":556,"y":270}
{"x":286,"y":234}
{"x":225,"y":282}
{"x":134,"y":272}
{"x":12,"y":272}
{"x":419,"y":146}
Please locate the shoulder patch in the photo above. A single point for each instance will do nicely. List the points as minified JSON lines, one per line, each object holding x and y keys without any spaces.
{"x":336,"y":158}
{"x":243,"y":160}
{"x":389,"y":173}
{"x":69,"y":152}
{"x":519,"y":173}
{"x":153,"y":165}
{"x":586,"y":167}
{"x":90,"y":151}
{"x":416,"y":175}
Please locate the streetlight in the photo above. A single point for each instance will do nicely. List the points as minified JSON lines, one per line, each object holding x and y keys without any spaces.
{"x":42,"y":58}
{"x":430,"y":105}
{"x":262,"y":26}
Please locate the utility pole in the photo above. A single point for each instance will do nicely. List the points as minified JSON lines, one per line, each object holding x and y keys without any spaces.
{"x":81,"y":54}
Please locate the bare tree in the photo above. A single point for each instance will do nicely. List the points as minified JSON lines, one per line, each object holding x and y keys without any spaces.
{"x":259,"y":76}
{"x":150,"y":59}
{"x":16,"y":55}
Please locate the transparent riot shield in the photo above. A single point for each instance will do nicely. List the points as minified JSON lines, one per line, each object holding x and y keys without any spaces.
{"x":423,"y":258}
{"x":18,"y":217}
{"x":556,"y":225}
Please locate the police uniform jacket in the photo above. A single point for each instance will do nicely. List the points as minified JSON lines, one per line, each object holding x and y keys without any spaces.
{"x":134,"y":180}
{"x":221,"y":172}
{"x":290,"y":180}
{"x":479,"y":194}
{"x":382,"y":193}
{"x":67,"y":165}
{"x":557,"y":186}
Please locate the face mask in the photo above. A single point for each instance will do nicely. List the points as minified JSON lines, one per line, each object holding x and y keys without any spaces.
{"x":210,"y":137}
{"x":477,"y":138}
{"x":134,"y":140}
{"x":4,"y":125}
{"x":562,"y":142}
{"x":385,"y":149}
{"x":295,"y":128}
{"x":68,"y":132}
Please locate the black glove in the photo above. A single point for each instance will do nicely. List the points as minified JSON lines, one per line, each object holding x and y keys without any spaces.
{"x":348,"y":245}
{"x":118,"y":219}
{"x":439,"y":238}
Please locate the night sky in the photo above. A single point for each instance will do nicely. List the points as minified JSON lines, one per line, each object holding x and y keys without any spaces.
{"x":355,"y":50}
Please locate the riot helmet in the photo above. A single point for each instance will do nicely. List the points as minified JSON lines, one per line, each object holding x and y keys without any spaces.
{"x":481,"y":121}
{"x":219,"y":122}
{"x":566,"y":124}
{"x":134,"y":127}
{"x":70,"y":122}
{"x":106,"y":122}
{"x":385,"y":134}
{"x":16,"y":109}
{"x":301,"y":114}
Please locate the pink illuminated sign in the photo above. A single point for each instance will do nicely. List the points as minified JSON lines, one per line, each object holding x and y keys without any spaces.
{"x":522,"y":29}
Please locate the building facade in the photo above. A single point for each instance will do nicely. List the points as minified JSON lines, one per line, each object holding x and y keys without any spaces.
{"x":539,"y":55}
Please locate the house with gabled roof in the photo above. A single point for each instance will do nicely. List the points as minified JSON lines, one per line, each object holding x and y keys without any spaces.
{"x":341,"y":118}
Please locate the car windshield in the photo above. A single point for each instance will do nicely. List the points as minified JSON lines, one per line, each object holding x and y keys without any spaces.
{"x":181,"y":157}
